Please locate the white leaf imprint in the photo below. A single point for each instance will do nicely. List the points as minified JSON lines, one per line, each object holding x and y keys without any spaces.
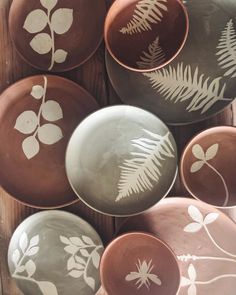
{"x":34,"y":241}
{"x":37,"y":91}
{"x":180,"y":85}
{"x":196,"y":166}
{"x":65,"y":240}
{"x":47,"y":288}
{"x":62,"y":20}
{"x":139,"y":174}
{"x":95,"y":259}
{"x":60,"y":56}
{"x":26,"y":122}
{"x":193,"y":227}
{"x":23,"y":242}
{"x":30,"y":267}
{"x":16,"y":257}
{"x":195,"y":214}
{"x":35,"y":21}
{"x":49,"y":134}
{"x":42,"y":43}
{"x":77,"y":241}
{"x":212,"y":151}
{"x":146,"y":13}
{"x":75,"y":273}
{"x":90,"y":282}
{"x":30,"y":147}
{"x":210,"y":218}
{"x":227,"y":50}
{"x":198,"y":152}
{"x":52,"y":111}
{"x":88,"y":240}
{"x":33,"y":251}
{"x":49,"y":4}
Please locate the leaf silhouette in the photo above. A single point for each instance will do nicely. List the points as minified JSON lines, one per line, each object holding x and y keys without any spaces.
{"x":30,"y":147}
{"x":212,"y":151}
{"x":35,"y":21}
{"x":71,"y":263}
{"x":153,"y":58}
{"x":62,"y":20}
{"x":192,"y":273}
{"x":49,"y":134}
{"x":76,"y":273}
{"x":139,"y":173}
{"x":33,"y":251}
{"x":41,"y":43}
{"x":34,"y":241}
{"x":37,"y":91}
{"x":147,"y":12}
{"x":227,"y":50}
{"x":47,"y":288}
{"x":16,"y":257}
{"x":195,"y":214}
{"x":95,"y":259}
{"x":185,"y":282}
{"x":180,"y":85}
{"x":26,"y":122}
{"x":77,"y":241}
{"x":49,"y":4}
{"x":23,"y":242}
{"x":84,"y":252}
{"x":88,"y":240}
{"x":52,"y":111}
{"x":193,"y":227}
{"x":71,"y":249}
{"x":196,"y":166}
{"x":210,"y":218}
{"x":65,"y":240}
{"x":60,"y":56}
{"x":198,"y":152}
{"x":90,"y":282}
{"x":30,"y":267}
{"x":80,"y":260}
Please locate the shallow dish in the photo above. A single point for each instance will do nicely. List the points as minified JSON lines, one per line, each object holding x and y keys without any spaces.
{"x":202,"y":237}
{"x":146,"y":266}
{"x":200,"y":81}
{"x":37,"y":117}
{"x":56,"y":35}
{"x":121,"y":160}
{"x":208,"y":166}
{"x":55,"y":253}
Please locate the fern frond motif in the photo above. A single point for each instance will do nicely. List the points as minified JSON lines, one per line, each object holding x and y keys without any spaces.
{"x":139,"y":174}
{"x":180,"y":85}
{"x":227,"y":50}
{"x":147,"y":12}
{"x":153,"y":58}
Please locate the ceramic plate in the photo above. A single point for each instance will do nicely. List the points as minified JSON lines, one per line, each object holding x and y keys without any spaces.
{"x":208,"y":166}
{"x":121,"y":160}
{"x":200,"y":82}
{"x":55,"y":253}
{"x":56,"y":35}
{"x":203,"y":239}
{"x":37,"y":117}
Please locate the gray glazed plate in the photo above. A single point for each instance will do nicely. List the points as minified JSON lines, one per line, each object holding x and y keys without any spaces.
{"x":201,"y":81}
{"x":55,"y":253}
{"x":121,"y":160}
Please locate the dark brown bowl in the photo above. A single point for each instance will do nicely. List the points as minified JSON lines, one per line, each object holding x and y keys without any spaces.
{"x":56,"y":35}
{"x":37,"y":117}
{"x":139,"y":263}
{"x":208,"y":166}
{"x":146,"y":35}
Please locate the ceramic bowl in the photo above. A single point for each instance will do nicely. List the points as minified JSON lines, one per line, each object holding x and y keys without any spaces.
{"x":139,"y":263}
{"x":56,"y":35}
{"x":37,"y":117}
{"x":208,"y":166}
{"x":121,"y":160}
{"x":54,"y":253}
{"x":145,"y":35}
{"x":202,"y":238}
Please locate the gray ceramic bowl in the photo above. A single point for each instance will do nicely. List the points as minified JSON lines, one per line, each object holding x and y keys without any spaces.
{"x":121,"y":160}
{"x":55,"y":253}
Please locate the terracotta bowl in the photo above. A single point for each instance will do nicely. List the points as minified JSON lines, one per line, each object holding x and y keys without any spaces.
{"x":37,"y":117}
{"x":56,"y":35}
{"x":145,"y":36}
{"x":121,"y":160}
{"x":139,"y":263}
{"x":208,"y":166}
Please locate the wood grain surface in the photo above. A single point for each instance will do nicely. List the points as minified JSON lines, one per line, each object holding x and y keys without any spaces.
{"x":93,"y":77}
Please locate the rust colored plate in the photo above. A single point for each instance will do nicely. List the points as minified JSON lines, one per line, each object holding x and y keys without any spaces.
{"x":208,"y":166}
{"x":202,"y":237}
{"x":37,"y":117}
{"x":56,"y":35}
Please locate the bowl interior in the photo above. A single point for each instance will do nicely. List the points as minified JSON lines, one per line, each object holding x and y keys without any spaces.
{"x":139,"y":263}
{"x":145,"y":36}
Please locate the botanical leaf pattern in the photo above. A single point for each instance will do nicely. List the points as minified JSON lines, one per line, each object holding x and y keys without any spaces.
{"x":83,"y":253}
{"x":139,"y":174}
{"x":180,"y":85}
{"x":59,"y":22}
{"x":147,"y":12}
{"x":153,"y":58}
{"x":25,"y":268}
{"x":29,"y":122}
{"x":227,"y":50}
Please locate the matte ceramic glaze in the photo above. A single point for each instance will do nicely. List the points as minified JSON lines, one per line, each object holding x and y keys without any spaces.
{"x":139,"y":263}
{"x":56,"y":35}
{"x":121,"y":160}
{"x":203,"y":239}
{"x":208,"y":166}
{"x":37,"y":117}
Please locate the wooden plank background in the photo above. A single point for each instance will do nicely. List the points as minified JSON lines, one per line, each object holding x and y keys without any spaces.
{"x":93,"y":77}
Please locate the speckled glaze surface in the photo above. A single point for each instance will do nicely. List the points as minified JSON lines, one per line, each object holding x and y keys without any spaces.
{"x":121,"y":160}
{"x":55,"y":253}
{"x":56,"y":35}
{"x":208,"y":166}
{"x":200,"y":81}
{"x":37,"y":117}
{"x":144,"y":265}
{"x":203,"y":239}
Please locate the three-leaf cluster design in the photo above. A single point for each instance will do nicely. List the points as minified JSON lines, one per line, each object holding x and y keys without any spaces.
{"x":59,"y":22}
{"x":29,"y":122}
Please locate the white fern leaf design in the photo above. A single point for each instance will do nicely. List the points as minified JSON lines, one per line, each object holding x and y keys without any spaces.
{"x":227,"y":50}
{"x":139,"y":173}
{"x":153,"y":58}
{"x":179,"y":85}
{"x":147,"y":12}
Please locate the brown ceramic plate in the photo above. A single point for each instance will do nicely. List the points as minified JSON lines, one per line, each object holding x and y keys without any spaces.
{"x":202,"y":237}
{"x":37,"y":117}
{"x":56,"y":35}
{"x":208,"y":166}
{"x":139,"y":263}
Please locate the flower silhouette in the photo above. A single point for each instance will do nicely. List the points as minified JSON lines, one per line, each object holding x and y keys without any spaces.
{"x":192,"y":290}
